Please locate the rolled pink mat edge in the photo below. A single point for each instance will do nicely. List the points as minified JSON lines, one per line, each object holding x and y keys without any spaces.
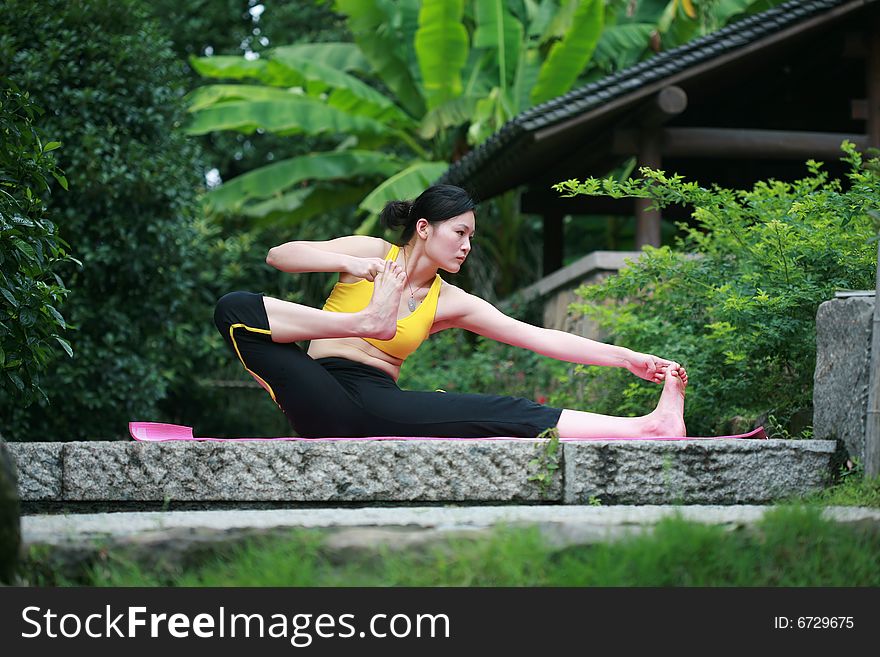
{"x":162,"y":432}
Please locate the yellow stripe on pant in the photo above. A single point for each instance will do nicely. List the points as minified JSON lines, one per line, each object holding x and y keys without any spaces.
{"x":251,"y":372}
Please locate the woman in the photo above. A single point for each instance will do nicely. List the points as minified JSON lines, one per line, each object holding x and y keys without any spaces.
{"x":388,"y":300}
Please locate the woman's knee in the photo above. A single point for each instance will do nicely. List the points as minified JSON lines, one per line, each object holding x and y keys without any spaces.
{"x":240,"y":307}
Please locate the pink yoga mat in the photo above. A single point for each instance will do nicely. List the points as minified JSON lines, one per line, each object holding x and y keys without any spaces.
{"x":156,"y":432}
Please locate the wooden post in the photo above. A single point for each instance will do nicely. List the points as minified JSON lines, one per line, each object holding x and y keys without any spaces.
{"x":873,"y":84}
{"x":648,"y":220}
{"x":554,"y":241}
{"x":872,"y":420}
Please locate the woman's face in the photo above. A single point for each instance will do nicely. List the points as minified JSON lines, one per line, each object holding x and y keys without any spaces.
{"x":448,"y":242}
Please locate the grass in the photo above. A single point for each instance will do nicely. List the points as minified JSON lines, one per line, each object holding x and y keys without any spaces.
{"x":853,"y":490}
{"x":792,"y":546}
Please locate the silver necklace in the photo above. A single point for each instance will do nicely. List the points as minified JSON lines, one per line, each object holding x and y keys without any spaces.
{"x":412,"y":295}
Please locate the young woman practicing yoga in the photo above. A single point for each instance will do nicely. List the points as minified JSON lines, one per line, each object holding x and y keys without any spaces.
{"x":388,"y":300}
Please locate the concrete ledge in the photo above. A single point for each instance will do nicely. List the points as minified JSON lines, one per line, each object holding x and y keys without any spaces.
{"x":695,"y":472}
{"x":411,"y":471}
{"x":125,"y":474}
{"x":571,"y":276}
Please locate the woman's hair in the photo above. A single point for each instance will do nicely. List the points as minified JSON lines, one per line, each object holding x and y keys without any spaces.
{"x":437,"y":203}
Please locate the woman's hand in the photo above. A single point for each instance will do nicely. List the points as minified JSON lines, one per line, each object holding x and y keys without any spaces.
{"x":651,"y":368}
{"x":366,"y":268}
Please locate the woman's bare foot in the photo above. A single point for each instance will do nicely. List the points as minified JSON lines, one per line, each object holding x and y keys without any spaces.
{"x":379,"y":318}
{"x":668,"y":418}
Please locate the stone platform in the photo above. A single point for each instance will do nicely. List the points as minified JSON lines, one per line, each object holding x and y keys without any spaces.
{"x":83,"y":476}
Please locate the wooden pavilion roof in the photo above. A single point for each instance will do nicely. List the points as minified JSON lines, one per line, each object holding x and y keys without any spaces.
{"x":753,"y":100}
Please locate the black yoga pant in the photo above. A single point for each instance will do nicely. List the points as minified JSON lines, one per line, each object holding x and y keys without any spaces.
{"x":328,"y":397}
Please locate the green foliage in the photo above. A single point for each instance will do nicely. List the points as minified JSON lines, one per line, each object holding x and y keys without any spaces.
{"x":31,"y":252}
{"x":501,"y":33}
{"x":736,"y":304}
{"x":233,"y":27}
{"x":853,"y":488}
{"x":546,"y":463}
{"x":569,"y":56}
{"x":111,"y":88}
{"x":790,"y":546}
{"x":441,"y":44}
{"x":280,"y":176}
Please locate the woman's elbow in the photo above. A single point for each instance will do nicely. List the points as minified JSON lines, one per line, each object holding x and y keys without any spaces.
{"x":278,"y":256}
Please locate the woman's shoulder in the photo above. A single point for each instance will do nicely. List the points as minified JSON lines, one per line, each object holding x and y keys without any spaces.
{"x":456,"y":305}
{"x":453,"y":300}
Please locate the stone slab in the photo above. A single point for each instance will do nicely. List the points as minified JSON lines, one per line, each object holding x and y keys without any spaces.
{"x":401,"y":471}
{"x":840,"y":382}
{"x":115,"y":475}
{"x":67,"y":548}
{"x":598,"y":522}
{"x":39,"y":470}
{"x":695,"y":471}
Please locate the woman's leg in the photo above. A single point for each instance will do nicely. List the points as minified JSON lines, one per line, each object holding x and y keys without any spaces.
{"x":291,"y":322}
{"x":665,"y":420}
{"x":313,"y":401}
{"x":397,"y":412}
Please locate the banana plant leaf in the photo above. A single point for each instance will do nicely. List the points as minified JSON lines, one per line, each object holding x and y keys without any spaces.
{"x":215,"y":94}
{"x":499,"y":31}
{"x":347,"y":92}
{"x":283,"y":117}
{"x":405,"y":184}
{"x":228,"y":67}
{"x":368,"y":21}
{"x":341,"y":56}
{"x":622,"y":45}
{"x":570,"y":56}
{"x":441,"y":49}
{"x":304,"y":204}
{"x":454,"y":112}
{"x":273,"y":179}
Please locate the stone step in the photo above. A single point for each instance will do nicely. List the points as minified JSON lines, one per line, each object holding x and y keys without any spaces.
{"x":126,"y":475}
{"x":564,"y":524}
{"x":69,"y":545}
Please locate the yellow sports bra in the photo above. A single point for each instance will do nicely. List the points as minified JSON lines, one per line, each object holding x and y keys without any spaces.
{"x":412,"y":330}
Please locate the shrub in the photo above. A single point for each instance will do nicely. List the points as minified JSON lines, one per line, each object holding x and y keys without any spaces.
{"x":30,"y":251}
{"x":736,"y":302}
{"x":110,"y":84}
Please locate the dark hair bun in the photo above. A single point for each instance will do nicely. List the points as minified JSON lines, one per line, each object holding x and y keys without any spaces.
{"x":395,"y":213}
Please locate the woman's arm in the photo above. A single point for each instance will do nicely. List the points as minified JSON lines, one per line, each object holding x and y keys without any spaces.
{"x":358,"y":255}
{"x":463,"y":310}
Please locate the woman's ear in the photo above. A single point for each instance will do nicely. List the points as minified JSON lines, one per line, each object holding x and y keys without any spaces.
{"x":422,"y":228}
